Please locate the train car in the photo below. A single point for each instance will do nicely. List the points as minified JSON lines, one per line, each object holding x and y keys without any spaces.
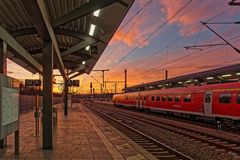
{"x":219,"y":101}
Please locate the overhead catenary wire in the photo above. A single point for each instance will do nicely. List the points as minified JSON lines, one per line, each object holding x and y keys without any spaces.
{"x":189,"y":56}
{"x":176,"y":40}
{"x":153,"y":33}
{"x":140,"y":13}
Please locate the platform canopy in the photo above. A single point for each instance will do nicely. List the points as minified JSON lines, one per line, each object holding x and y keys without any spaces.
{"x":224,"y":74}
{"x":79,"y":30}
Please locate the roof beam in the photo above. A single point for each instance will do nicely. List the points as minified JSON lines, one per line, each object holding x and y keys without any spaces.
{"x":81,"y":11}
{"x":78,"y":74}
{"x":61,"y":31}
{"x":80,"y":35}
{"x":79,"y":68}
{"x":78,"y":46}
{"x":37,"y":19}
{"x":78,"y":62}
{"x":5,"y":36}
{"x":58,"y":56}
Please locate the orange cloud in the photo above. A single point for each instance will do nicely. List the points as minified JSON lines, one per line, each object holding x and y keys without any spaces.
{"x":133,"y":35}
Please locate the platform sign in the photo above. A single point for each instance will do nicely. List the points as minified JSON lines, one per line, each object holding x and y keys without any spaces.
{"x":37,"y":82}
{"x":9,"y":106}
{"x":32,"y":82}
{"x":28,"y":82}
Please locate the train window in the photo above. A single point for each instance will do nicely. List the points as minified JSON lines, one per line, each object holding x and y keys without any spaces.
{"x":187,"y":98}
{"x":170,"y":98}
{"x":163,"y":98}
{"x":145,"y":98}
{"x":225,"y":98}
{"x":153,"y":98}
{"x":238,"y":98}
{"x":157,"y":98}
{"x":177,"y":99}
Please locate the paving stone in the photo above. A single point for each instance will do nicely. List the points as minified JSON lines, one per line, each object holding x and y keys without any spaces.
{"x":81,"y":135}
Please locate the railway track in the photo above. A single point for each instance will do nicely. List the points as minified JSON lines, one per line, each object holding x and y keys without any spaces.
{"x":153,"y":146}
{"x":218,"y":142}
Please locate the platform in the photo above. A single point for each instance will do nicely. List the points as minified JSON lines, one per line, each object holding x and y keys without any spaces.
{"x":80,"y":135}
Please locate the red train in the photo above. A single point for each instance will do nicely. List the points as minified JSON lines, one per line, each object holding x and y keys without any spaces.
{"x":219,"y":101}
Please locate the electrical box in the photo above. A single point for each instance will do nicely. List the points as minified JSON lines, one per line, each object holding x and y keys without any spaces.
{"x":9,"y":105}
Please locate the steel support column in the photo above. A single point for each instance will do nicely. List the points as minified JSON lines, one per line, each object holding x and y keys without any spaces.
{"x":3,"y":57}
{"x":66,"y":98}
{"x":47,"y":95}
{"x":3,"y":70}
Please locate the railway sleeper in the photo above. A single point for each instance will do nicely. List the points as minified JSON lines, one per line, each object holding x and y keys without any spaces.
{"x":155,"y":149}
{"x":236,"y":148}
{"x":145,"y":144}
{"x":217,"y":141}
{"x":231,"y":145}
{"x":164,"y":152}
{"x":142,"y":141}
{"x":150,"y":147}
{"x":166,"y":157}
{"x":221,"y":142}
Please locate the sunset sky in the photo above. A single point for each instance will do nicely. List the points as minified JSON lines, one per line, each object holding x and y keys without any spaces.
{"x":147,"y":57}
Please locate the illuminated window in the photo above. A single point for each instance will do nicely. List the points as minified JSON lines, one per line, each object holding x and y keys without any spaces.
{"x":153,"y":98}
{"x":170,"y":98}
{"x":163,"y":98}
{"x":187,"y":98}
{"x":177,"y":99}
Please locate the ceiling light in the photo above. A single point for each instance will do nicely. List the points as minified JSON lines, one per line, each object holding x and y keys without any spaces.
{"x":179,"y":82}
{"x":92,"y":29}
{"x":195,"y":80}
{"x":238,"y":73}
{"x":226,"y":75}
{"x":87,"y":48}
{"x":188,"y":81}
{"x":159,"y":85}
{"x":209,"y":78}
{"x":83,"y":62}
{"x":96,"y":13}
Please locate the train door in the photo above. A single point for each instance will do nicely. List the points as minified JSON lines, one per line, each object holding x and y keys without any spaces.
{"x":138,"y":101}
{"x":208,"y":103}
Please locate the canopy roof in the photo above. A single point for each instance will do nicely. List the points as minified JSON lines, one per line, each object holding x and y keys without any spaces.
{"x":27,"y":26}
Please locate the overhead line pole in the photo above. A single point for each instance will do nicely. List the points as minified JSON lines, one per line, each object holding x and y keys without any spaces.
{"x":125,"y":86}
{"x":236,"y":49}
{"x":103,"y":75}
{"x":115,"y":83}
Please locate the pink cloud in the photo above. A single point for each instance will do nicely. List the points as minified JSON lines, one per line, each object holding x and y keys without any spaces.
{"x":193,"y":14}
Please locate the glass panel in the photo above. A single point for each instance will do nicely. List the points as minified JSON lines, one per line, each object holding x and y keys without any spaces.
{"x":225,"y":98}
{"x":153,"y":98}
{"x":163,"y":98}
{"x":238,"y":98}
{"x":170,"y":98}
{"x":187,"y":98}
{"x":177,"y":99}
